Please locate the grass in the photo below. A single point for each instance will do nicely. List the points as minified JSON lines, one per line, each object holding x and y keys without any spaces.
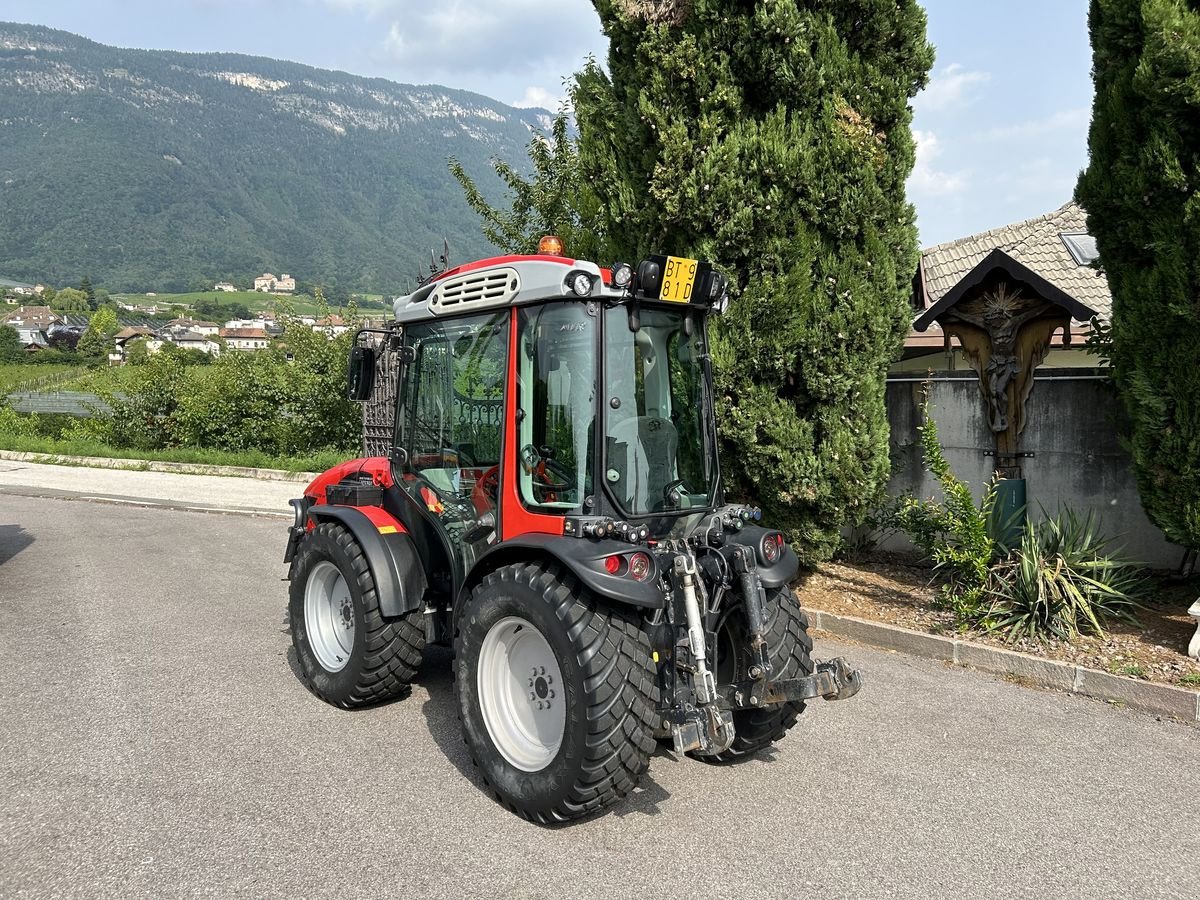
{"x":1131,"y":669}
{"x":315,"y":462}
{"x":13,"y":375}
{"x":1191,"y":679}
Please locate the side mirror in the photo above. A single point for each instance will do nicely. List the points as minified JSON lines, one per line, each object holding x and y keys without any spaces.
{"x":360,"y":375}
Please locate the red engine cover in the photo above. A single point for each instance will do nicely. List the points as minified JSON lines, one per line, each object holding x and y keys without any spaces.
{"x":378,"y":467}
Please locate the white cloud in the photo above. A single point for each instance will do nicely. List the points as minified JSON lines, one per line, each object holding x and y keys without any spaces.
{"x":1065,"y":120}
{"x":541,"y":98}
{"x":426,"y":41}
{"x":949,"y":88}
{"x":927,"y":180}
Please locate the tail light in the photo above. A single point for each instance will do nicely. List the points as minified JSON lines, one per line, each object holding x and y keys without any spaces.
{"x":640,"y":567}
{"x":770,"y":549}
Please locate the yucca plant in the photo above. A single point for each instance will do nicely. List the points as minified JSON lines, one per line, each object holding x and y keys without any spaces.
{"x":1062,"y":579}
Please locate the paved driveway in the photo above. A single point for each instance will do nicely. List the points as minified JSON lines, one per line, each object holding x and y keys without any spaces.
{"x":154,"y":742}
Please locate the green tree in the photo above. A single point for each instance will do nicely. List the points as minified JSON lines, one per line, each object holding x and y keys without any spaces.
{"x":97,"y":340}
{"x":1142,"y":193}
{"x":70,"y":300}
{"x":89,"y":293}
{"x":216,"y":311}
{"x":10,"y":345}
{"x":774,"y":140}
{"x":556,"y":199}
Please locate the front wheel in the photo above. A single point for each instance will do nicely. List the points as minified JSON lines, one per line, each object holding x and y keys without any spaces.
{"x":556,"y":693}
{"x":349,"y":654}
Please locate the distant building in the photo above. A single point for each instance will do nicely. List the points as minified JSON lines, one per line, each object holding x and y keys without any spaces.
{"x":245,"y":338}
{"x":268,"y":284}
{"x":125,"y":335}
{"x":332,"y":325}
{"x":207,"y":329}
{"x":191,"y":340}
{"x":32,"y":339}
{"x":40,"y":317}
{"x":224,"y":286}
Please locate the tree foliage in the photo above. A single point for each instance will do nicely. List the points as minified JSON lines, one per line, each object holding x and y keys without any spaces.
{"x":97,"y":340}
{"x":287,"y":400}
{"x":773,"y":139}
{"x":1142,"y":193}
{"x":10,"y":344}
{"x":70,"y":300}
{"x":553,"y":199}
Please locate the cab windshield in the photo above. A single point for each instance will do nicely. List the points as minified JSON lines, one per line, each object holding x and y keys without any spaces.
{"x":659,"y":444}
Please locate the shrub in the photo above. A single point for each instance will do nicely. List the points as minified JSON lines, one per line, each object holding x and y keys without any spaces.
{"x":1061,"y":580}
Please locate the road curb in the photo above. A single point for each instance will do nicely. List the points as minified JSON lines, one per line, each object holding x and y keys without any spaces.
{"x":152,"y":465}
{"x":1161,"y":699}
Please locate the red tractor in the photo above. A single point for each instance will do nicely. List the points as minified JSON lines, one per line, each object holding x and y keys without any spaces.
{"x":551,"y":507}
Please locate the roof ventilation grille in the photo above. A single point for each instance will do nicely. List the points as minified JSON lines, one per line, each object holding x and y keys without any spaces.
{"x":475,"y":290}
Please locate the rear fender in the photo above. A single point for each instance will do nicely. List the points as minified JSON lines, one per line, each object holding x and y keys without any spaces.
{"x":392,"y":558}
{"x":582,"y":558}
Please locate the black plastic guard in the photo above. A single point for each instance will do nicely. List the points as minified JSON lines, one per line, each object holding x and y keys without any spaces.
{"x":584,"y":558}
{"x":784,"y":570}
{"x":399,"y":579}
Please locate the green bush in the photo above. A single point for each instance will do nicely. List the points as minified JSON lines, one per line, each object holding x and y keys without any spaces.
{"x":1060,"y":581}
{"x":287,"y":400}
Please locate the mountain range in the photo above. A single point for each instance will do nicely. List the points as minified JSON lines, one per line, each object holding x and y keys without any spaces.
{"x":165,"y":171}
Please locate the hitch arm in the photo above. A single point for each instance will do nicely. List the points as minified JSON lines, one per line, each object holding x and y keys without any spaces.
{"x":833,"y":680}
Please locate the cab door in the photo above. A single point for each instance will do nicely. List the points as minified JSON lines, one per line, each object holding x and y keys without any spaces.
{"x":448,"y":432}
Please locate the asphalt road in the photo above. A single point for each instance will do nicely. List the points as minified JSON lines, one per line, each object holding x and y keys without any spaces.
{"x":154,"y":742}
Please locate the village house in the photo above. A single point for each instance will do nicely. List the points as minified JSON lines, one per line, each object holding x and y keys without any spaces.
{"x":332,"y":325}
{"x":32,"y":339}
{"x":245,"y":338}
{"x":191,"y":340}
{"x":208,"y":329}
{"x":224,"y":286}
{"x":40,"y":317}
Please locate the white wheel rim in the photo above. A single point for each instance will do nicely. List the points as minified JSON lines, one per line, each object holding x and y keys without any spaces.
{"x":329,"y":616}
{"x":521,"y":694}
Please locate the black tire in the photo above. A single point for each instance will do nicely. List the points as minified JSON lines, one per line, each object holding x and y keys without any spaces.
{"x":608,"y":681}
{"x":790,"y":649}
{"x":386,"y":651}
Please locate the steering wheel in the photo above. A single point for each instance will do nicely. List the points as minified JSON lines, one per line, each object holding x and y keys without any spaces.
{"x":486,"y":493}
{"x":550,"y":478}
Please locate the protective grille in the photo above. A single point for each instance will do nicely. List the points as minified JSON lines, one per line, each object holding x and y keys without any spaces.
{"x":379,"y":412}
{"x":493,"y":287}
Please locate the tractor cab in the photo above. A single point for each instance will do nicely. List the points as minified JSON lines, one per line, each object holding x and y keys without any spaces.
{"x":544,"y":395}
{"x":549,"y":502}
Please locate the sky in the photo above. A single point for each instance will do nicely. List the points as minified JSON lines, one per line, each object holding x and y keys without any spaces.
{"x":1001,"y":129}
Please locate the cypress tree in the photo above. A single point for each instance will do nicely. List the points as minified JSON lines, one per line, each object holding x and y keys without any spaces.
{"x":773,"y":139}
{"x":1140,"y":191}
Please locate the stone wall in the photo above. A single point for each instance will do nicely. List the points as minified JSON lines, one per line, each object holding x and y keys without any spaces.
{"x":1072,"y":429}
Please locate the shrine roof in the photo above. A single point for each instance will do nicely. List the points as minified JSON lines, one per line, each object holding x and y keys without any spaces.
{"x":1055,"y":247}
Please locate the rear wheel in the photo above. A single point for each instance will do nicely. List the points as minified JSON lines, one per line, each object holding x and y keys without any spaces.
{"x":556,"y":693}
{"x":790,"y":650}
{"x":349,"y":654}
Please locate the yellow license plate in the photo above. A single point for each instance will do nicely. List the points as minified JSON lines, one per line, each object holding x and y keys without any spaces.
{"x":679,"y":277}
